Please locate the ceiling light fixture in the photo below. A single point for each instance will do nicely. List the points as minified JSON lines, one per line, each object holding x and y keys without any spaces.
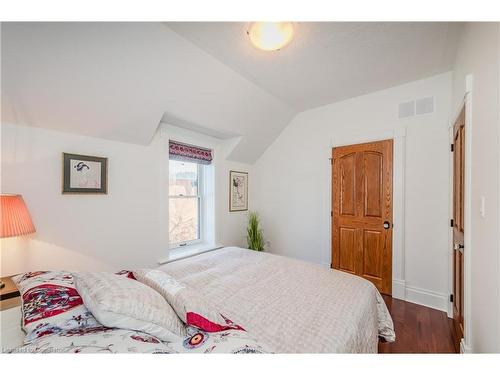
{"x":270,"y":36}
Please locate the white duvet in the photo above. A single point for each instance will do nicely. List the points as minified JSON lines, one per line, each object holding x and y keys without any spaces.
{"x":293,"y":306}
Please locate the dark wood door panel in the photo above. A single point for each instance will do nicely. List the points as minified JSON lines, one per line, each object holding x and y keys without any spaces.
{"x":373,"y":184}
{"x":347,"y":241}
{"x":373,"y":252}
{"x":348,"y":184}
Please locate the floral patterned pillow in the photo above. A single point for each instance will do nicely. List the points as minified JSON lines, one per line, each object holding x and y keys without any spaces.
{"x":51,"y":304}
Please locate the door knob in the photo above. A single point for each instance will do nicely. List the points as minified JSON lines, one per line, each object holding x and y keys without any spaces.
{"x":387,"y":225}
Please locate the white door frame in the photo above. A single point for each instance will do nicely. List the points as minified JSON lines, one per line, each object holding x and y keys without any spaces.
{"x":465,"y":345}
{"x":398,"y":136}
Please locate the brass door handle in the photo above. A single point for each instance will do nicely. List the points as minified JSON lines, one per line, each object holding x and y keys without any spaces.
{"x":459,"y":247}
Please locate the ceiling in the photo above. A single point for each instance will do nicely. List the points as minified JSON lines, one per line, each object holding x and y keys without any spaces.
{"x":330,"y":61}
{"x":118,"y":81}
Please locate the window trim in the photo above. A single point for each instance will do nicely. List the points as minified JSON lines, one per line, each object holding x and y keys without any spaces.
{"x":201,"y":213}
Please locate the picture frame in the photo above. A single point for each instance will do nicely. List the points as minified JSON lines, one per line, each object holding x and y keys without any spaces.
{"x":238,"y":191}
{"x":84,"y":174}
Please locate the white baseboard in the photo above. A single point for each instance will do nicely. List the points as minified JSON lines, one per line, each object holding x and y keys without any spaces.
{"x":427,"y":298}
{"x":399,"y":289}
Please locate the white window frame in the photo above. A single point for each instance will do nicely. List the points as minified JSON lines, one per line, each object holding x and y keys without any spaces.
{"x":201,"y":209}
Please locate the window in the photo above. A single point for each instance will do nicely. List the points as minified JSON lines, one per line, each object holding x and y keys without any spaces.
{"x":191,"y":195}
{"x":185,"y":202}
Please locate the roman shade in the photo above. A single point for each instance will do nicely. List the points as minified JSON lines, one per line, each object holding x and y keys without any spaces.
{"x":185,"y":152}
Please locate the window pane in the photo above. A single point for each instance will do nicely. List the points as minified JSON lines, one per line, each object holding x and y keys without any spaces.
{"x":183,"y":220}
{"x":183,"y":178}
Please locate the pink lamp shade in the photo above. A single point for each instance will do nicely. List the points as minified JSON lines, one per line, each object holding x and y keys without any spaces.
{"x":16,"y":219}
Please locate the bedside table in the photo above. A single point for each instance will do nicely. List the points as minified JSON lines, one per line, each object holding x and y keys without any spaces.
{"x":9,"y":295}
{"x":12,"y":335}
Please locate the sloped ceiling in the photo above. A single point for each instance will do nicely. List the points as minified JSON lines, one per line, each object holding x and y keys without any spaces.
{"x":119,"y":80}
{"x":331,"y":61}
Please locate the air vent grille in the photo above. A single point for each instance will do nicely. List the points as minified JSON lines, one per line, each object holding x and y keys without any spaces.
{"x":407,"y":109}
{"x":424,"y":105}
{"x":416,"y":107}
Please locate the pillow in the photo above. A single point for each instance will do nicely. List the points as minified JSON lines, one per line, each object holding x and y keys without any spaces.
{"x":121,"y":302}
{"x":189,"y":305}
{"x":50,"y":303}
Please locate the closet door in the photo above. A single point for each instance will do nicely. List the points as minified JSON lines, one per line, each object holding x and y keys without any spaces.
{"x":458,"y":224}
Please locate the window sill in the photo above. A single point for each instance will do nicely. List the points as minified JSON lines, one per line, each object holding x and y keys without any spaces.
{"x":187,"y":251}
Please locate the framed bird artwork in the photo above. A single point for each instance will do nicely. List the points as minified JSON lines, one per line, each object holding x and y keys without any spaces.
{"x":84,"y":174}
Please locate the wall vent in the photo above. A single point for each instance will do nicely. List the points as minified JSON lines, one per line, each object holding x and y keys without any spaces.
{"x":424,"y":105}
{"x":407,"y":109}
{"x":416,"y":107}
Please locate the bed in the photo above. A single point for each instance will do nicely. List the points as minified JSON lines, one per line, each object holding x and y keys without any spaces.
{"x":294,"y":306}
{"x":275,"y":305}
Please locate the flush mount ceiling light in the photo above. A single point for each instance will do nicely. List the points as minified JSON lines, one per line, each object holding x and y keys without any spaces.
{"x":270,"y":36}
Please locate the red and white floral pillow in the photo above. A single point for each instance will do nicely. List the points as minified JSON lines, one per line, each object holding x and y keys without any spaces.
{"x":51,"y":304}
{"x":190,"y":306}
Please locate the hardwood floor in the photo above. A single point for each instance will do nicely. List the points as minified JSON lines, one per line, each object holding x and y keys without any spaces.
{"x":419,"y":329}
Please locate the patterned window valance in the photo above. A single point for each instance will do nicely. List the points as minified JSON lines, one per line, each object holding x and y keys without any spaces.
{"x":194,"y":154}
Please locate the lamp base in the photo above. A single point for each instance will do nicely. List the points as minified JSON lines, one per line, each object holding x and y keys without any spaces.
{"x":2,"y":284}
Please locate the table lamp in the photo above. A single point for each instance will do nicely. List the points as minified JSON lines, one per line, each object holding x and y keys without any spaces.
{"x":16,"y":219}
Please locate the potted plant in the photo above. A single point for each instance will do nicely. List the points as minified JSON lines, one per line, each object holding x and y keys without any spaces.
{"x":255,"y":237}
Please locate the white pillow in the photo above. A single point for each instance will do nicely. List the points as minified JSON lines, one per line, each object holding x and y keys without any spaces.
{"x":128,"y":304}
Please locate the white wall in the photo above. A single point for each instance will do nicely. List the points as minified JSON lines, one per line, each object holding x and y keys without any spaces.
{"x":478,"y":55}
{"x":123,"y":229}
{"x":292,"y":183}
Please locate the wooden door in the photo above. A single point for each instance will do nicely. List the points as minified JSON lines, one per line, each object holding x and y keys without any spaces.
{"x":362,"y":212}
{"x":458,"y":223}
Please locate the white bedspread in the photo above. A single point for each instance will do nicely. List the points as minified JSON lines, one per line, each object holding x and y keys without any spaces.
{"x":293,"y":306}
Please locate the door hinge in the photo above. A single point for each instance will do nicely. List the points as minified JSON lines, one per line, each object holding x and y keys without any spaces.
{"x":452,"y":223}
{"x":331,"y":161}
{"x":452,"y":147}
{"x":331,"y":213}
{"x":451,"y":297}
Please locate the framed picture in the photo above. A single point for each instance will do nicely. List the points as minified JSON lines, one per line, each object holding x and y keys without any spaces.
{"x":238,"y":191}
{"x":84,"y":174}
